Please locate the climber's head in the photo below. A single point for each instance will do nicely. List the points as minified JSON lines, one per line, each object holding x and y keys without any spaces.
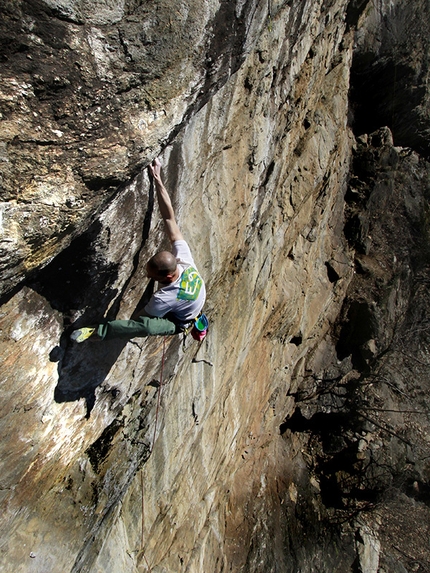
{"x":162,"y":267}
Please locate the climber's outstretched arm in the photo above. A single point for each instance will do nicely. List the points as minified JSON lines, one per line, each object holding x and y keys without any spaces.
{"x":164,"y":203}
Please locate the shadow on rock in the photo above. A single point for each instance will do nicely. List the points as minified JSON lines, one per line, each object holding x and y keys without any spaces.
{"x":80,"y":278}
{"x":83,"y":368}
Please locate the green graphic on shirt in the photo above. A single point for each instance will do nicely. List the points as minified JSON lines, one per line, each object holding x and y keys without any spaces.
{"x":190,"y":285}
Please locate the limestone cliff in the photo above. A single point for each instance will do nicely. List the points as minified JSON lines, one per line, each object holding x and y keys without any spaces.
{"x":294,"y":136}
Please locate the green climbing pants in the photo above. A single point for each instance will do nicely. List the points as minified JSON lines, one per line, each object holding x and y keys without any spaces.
{"x":143,"y":326}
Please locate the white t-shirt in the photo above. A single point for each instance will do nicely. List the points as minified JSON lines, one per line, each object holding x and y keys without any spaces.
{"x":185,"y":297}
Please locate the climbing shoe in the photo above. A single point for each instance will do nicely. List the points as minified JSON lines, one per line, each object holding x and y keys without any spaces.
{"x":82,"y":334}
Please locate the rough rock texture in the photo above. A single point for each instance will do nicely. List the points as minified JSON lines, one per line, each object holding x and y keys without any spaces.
{"x":363,"y":403}
{"x":295,"y":437}
{"x":90,"y":92}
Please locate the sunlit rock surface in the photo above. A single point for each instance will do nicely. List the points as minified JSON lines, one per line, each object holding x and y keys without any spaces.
{"x":296,"y":436}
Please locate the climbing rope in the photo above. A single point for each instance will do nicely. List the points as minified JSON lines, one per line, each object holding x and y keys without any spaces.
{"x":150,"y":451}
{"x":159,"y":393}
{"x":143,"y":523}
{"x":160,"y":386}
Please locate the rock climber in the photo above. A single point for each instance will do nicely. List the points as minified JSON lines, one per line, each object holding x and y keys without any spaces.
{"x":181,"y":294}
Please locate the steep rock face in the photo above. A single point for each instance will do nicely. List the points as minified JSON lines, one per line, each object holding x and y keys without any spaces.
{"x":231,"y":464}
{"x":90,"y":92}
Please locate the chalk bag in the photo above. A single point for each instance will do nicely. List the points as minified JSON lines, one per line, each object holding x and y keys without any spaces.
{"x":200,"y":327}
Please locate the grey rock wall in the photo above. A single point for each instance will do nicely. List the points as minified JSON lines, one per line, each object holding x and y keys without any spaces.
{"x":295,"y":436}
{"x":90,"y":93}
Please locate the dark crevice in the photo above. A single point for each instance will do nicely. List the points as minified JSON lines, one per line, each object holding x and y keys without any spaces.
{"x":354,"y":10}
{"x":99,"y":450}
{"x":268,"y":173}
{"x":332,"y":275}
{"x":101,"y":183}
{"x":297,"y":340}
{"x":385,"y":92}
{"x":357,"y":328}
{"x":326,"y":425}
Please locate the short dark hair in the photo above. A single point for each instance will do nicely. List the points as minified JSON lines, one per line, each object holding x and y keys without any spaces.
{"x":163,"y":263}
